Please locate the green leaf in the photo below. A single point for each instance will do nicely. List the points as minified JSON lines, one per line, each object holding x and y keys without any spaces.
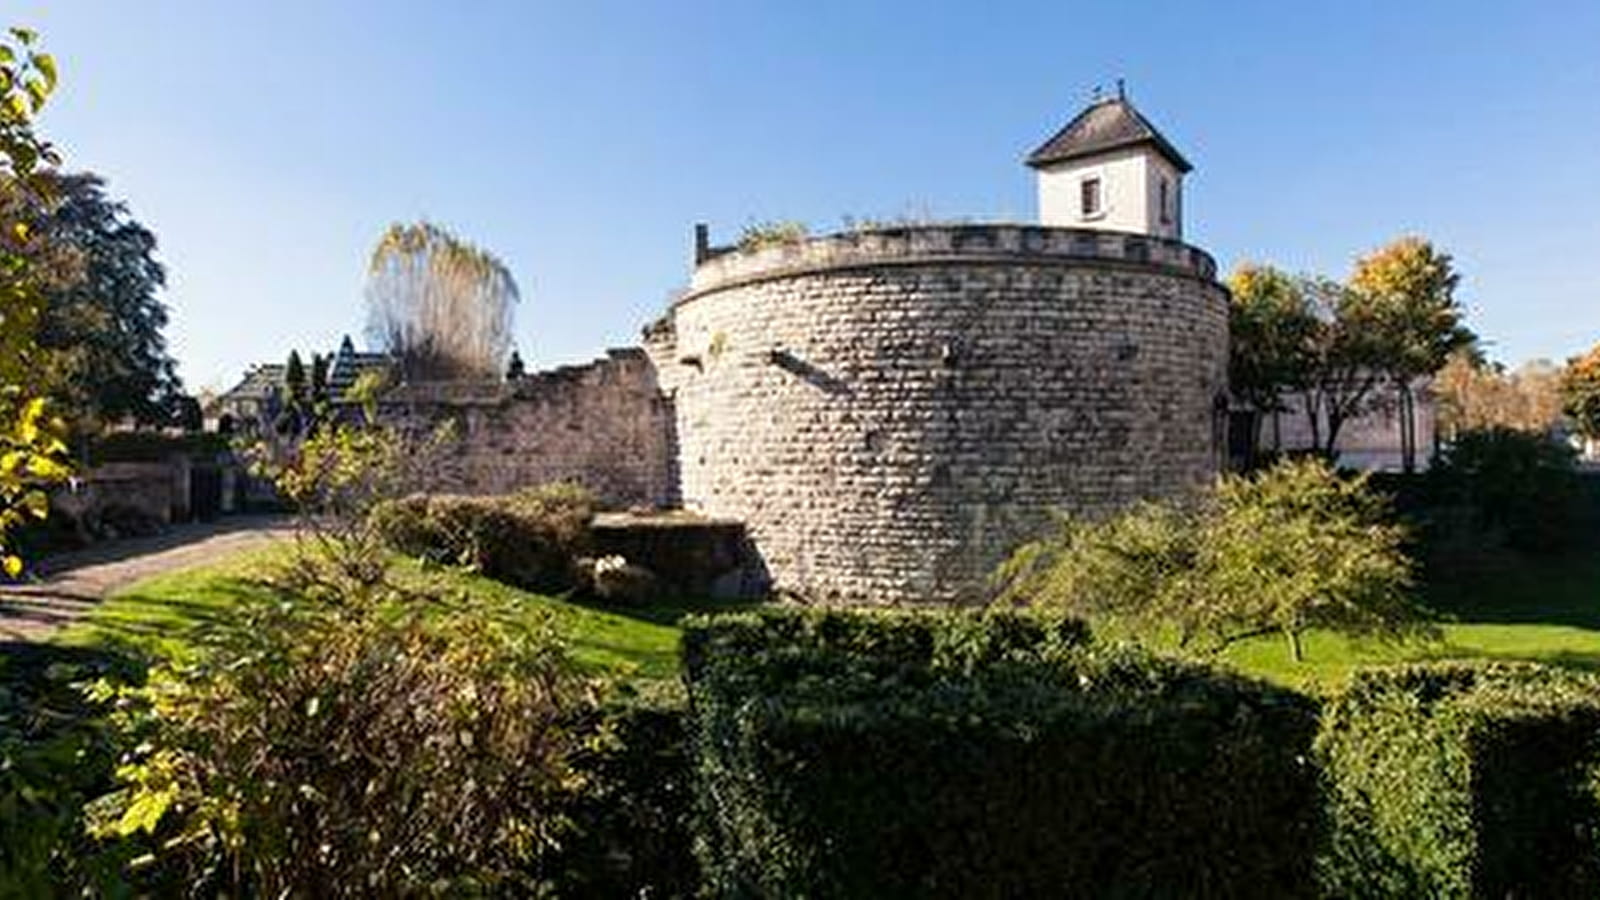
{"x":46,"y":64}
{"x":37,"y":503}
{"x":146,"y":810}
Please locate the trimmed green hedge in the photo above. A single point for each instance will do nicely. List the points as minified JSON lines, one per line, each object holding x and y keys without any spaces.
{"x":632,"y":817}
{"x":530,"y":539}
{"x":1463,"y":780}
{"x":155,"y":446}
{"x":983,"y":755}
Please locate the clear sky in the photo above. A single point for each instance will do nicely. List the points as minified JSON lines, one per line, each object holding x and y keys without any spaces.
{"x":269,"y":143}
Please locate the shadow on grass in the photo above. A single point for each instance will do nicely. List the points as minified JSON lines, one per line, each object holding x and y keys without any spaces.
{"x":670,"y":613}
{"x":1522,"y":590}
{"x":31,"y":671}
{"x":151,"y":626}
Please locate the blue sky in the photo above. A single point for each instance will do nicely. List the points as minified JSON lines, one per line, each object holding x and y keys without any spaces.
{"x":269,"y":144}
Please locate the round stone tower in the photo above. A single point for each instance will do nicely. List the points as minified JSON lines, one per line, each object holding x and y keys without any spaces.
{"x":892,"y":411}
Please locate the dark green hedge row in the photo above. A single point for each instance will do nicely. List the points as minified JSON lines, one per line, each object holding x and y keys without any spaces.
{"x":1463,"y":780}
{"x":879,"y":754}
{"x":155,"y":446}
{"x":632,"y":818}
{"x":530,"y":539}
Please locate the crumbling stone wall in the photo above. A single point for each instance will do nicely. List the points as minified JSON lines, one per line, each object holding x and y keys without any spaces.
{"x":605,"y":425}
{"x":891,"y":412}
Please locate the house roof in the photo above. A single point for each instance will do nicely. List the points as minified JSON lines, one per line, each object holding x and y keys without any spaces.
{"x":265,"y":380}
{"x":259,"y":383}
{"x":1106,"y":125}
{"x":348,"y":365}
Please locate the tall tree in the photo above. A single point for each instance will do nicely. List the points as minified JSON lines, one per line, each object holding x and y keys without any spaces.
{"x":1346,"y":358}
{"x":442,"y":306}
{"x":1409,"y":286}
{"x":296,"y":396}
{"x":31,"y":451}
{"x":104,"y":357}
{"x":295,"y":384}
{"x":1580,"y":392}
{"x":1271,"y":326}
{"x":318,"y":391}
{"x":1474,"y":394}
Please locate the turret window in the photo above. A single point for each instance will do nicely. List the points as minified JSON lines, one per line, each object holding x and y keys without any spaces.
{"x":1166,"y":202}
{"x":1091,"y":203}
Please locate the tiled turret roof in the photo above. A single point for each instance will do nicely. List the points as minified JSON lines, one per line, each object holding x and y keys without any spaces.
{"x":1107,"y":125}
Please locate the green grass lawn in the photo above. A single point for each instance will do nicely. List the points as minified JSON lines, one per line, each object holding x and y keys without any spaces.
{"x":156,"y":618}
{"x":1542,"y":610}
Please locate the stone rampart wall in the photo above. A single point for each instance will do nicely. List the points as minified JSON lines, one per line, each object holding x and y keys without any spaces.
{"x":605,"y":425}
{"x":892,"y":412}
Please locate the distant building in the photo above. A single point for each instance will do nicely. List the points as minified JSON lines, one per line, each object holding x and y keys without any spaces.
{"x":258,"y":399}
{"x":349,"y":365}
{"x":1370,"y":441}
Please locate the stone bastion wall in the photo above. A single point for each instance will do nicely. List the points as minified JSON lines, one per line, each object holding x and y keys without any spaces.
{"x":892,"y":411}
{"x":605,"y":425}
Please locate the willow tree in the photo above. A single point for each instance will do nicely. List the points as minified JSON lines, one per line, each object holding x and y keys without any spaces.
{"x":440,"y":305}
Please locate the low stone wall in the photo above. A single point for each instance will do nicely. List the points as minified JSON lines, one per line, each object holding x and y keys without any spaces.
{"x":696,"y":556}
{"x":604,"y":425}
{"x":152,"y":491}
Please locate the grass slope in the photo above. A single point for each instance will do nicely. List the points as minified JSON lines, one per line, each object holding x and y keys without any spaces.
{"x":1542,"y":610}
{"x":157,"y":617}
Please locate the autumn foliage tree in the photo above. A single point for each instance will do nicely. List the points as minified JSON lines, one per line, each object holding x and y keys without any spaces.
{"x":1408,"y":288}
{"x":1338,"y":346}
{"x":1580,"y":392}
{"x":1473,"y":394}
{"x":442,"y":306}
{"x":1304,"y":336}
{"x":1271,"y":326}
{"x":31,"y":451}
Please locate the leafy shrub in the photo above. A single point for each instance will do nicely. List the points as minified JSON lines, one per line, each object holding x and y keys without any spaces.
{"x":1289,"y":548}
{"x":530,"y":539}
{"x":1496,"y":487}
{"x":361,"y":747}
{"x":155,"y":446}
{"x":631,"y":834}
{"x":1455,"y":780}
{"x":55,"y":754}
{"x":873,"y":754}
{"x":759,"y":235}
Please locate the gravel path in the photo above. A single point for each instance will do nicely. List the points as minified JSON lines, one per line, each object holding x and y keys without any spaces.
{"x":74,"y":582}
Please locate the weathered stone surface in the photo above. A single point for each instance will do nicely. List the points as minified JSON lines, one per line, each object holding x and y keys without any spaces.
{"x":891,"y":413}
{"x":694,"y":556}
{"x":605,"y":425}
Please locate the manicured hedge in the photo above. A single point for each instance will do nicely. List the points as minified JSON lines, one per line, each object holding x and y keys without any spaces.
{"x":969,"y":755}
{"x":632,"y":816}
{"x":530,"y":539}
{"x":1458,"y":780}
{"x":155,"y":446}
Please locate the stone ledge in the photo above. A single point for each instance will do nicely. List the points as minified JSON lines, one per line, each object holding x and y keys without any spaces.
{"x":931,"y":245}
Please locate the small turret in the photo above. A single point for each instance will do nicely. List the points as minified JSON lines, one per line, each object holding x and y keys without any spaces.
{"x":1110,"y":169}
